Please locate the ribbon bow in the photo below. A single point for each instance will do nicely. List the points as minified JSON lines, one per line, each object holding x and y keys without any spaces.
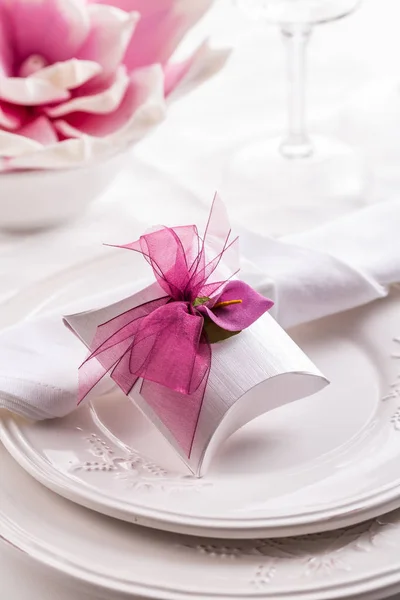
{"x":167,"y":341}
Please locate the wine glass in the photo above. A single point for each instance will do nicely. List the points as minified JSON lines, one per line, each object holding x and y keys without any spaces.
{"x":289,"y":184}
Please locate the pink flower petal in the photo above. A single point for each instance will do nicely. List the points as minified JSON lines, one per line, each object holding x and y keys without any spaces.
{"x":34,"y":63}
{"x":111,"y":32}
{"x":11,"y":117}
{"x":65,"y":154}
{"x":12,"y":144}
{"x":235,"y":317}
{"x":100,"y":104}
{"x":6,"y":58}
{"x":40,"y":130}
{"x":55,"y":29}
{"x":141,"y":108}
{"x":69,"y":74}
{"x":201,"y":65}
{"x":174,"y":73}
{"x":162,"y":26}
{"x":30,"y":91}
{"x":145,"y":8}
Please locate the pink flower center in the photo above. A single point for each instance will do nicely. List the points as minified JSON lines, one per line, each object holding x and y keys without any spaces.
{"x":33,"y":63}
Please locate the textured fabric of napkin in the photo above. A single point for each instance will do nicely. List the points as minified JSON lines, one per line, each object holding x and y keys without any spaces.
{"x":341,"y":265}
{"x":335,"y":267}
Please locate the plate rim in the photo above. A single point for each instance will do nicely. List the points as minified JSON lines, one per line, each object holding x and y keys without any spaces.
{"x":367,"y":587}
{"x":146,"y":517}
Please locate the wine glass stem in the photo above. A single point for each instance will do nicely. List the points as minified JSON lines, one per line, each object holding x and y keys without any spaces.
{"x":297,"y":143}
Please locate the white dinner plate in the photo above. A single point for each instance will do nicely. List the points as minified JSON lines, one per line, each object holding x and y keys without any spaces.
{"x":123,"y":561}
{"x":321,"y":463}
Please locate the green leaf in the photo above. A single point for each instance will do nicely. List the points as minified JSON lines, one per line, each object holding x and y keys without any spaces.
{"x":215,"y":333}
{"x":201,"y":300}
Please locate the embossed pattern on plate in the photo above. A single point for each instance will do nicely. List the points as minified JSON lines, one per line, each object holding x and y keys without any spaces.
{"x":311,"y":466}
{"x":362,"y":561}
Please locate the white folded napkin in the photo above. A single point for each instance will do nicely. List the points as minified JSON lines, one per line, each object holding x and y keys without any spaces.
{"x":341,"y":265}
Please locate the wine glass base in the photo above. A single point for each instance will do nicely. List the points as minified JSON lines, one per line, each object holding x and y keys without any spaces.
{"x":271,"y":194}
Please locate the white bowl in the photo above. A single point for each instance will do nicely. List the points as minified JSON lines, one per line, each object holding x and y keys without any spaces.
{"x":38,"y":199}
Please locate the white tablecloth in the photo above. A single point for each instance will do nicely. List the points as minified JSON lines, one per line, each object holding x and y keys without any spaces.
{"x":176,"y":170}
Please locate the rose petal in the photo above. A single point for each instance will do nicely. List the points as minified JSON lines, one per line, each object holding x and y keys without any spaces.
{"x":65,"y":154}
{"x":174,"y":73}
{"x":11,"y":117}
{"x":5,"y":44}
{"x":142,"y":107}
{"x":69,"y":74}
{"x":182,"y":77}
{"x":55,"y":29}
{"x":100,"y":104}
{"x":236,"y":317}
{"x":111,"y":32}
{"x":40,"y":130}
{"x":146,"y":8}
{"x":12,"y":144}
{"x":162,"y":26}
{"x":30,"y":91}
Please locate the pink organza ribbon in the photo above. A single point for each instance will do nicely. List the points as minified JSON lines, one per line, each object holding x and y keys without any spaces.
{"x":163,"y":342}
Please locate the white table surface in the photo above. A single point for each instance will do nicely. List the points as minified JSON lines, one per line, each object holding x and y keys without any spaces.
{"x":177,"y":169}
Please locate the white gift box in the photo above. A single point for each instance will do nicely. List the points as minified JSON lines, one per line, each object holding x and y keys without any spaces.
{"x":251,"y":373}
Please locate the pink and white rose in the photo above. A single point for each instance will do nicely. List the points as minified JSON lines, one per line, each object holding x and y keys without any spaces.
{"x":81,"y":79}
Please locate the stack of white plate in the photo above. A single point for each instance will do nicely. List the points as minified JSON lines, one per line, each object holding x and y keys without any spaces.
{"x":300,"y":503}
